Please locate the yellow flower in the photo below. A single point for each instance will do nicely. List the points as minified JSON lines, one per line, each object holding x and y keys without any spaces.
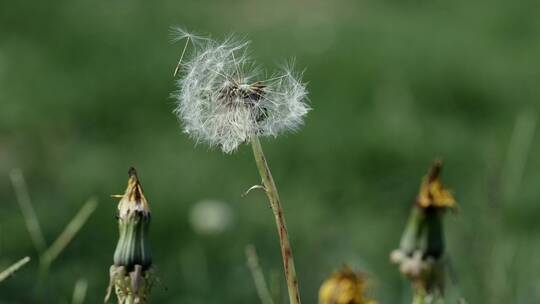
{"x":344,"y":287}
{"x":432,"y":193}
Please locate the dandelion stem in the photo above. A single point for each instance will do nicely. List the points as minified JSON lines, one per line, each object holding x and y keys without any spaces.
{"x":258,"y":276}
{"x":131,"y":299}
{"x":275,"y":204}
{"x":13,"y":268}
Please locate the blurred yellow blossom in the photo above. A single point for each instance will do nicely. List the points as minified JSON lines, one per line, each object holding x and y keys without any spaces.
{"x":344,"y":287}
{"x":432,"y":192}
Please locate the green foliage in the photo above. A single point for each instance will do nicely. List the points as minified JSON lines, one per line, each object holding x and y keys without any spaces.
{"x":84,"y":94}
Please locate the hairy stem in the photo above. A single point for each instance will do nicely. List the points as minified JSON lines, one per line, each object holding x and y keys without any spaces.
{"x":275,"y":204}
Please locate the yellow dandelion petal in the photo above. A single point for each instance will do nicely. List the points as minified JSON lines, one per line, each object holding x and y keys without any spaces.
{"x":344,"y":287}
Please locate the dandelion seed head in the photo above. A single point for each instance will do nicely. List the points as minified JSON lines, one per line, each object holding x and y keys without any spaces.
{"x":223,"y":100}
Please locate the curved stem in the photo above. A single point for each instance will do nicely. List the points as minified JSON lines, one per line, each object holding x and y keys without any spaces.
{"x":275,"y":204}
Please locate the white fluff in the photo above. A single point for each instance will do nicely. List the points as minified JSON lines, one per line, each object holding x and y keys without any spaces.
{"x":222,"y":99}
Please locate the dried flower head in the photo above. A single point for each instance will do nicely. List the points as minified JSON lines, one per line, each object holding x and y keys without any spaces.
{"x":432,"y":193}
{"x":420,"y":255}
{"x":223,"y":99}
{"x":344,"y":287}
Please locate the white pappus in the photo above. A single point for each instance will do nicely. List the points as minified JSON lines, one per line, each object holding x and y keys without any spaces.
{"x":222,"y":98}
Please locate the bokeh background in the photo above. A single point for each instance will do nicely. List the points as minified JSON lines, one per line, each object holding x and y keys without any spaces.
{"x":85,"y":93}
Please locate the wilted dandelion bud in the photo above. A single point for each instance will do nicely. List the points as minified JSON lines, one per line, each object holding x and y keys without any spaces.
{"x":344,"y":287}
{"x":223,"y":100}
{"x":131,"y":275}
{"x":421,"y":250}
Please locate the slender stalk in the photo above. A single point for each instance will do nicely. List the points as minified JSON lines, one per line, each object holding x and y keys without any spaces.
{"x":258,"y":276}
{"x":131,"y":299}
{"x":275,"y":286}
{"x":418,"y":298}
{"x":79,"y":291}
{"x":518,"y":152}
{"x":68,"y":234}
{"x":13,"y":268}
{"x":275,"y":204}
{"x":28,"y":212}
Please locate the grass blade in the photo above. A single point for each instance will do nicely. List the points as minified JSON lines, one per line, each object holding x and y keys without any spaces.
{"x":258,"y":276}
{"x":69,"y":233}
{"x":13,"y":268}
{"x":79,"y":291}
{"x":518,"y":152}
{"x":27,"y":210}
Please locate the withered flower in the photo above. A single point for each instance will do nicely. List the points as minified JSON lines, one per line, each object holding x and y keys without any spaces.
{"x":131,"y":274}
{"x":421,"y":251}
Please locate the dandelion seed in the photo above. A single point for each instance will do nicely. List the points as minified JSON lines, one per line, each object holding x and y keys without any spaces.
{"x":223,"y":100}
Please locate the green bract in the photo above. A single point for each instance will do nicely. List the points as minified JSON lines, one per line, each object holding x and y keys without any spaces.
{"x":131,"y":274}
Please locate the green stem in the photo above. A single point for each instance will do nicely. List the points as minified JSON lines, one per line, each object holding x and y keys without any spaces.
{"x":423,"y":297}
{"x":275,"y":204}
{"x":418,"y":298}
{"x":13,"y":268}
{"x":130,"y":299}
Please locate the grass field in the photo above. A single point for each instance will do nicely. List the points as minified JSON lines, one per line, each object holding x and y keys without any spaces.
{"x":85,"y":93}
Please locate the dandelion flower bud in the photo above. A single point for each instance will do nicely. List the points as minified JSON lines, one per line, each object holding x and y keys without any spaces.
{"x":223,"y":100}
{"x":131,"y":274}
{"x":344,"y":287}
{"x":421,"y":247}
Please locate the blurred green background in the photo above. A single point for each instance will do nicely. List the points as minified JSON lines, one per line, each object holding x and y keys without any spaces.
{"x":85,"y":93}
